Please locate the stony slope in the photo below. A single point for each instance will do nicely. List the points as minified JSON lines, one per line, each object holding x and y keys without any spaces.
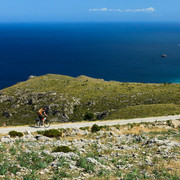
{"x":136,"y":151}
{"x":84,"y":98}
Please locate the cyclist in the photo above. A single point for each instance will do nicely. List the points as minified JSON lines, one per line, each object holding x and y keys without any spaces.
{"x":42,"y":113}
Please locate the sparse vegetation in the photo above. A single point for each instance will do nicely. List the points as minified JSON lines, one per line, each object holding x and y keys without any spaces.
{"x":143,"y":151}
{"x":83,"y":163}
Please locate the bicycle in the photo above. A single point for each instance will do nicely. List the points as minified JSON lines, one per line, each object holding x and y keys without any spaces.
{"x":39,"y":123}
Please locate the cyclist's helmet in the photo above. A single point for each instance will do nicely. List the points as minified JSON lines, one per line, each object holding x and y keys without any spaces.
{"x":46,"y":108}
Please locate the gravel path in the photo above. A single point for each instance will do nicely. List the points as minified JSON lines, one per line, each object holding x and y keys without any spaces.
{"x":6,"y":130}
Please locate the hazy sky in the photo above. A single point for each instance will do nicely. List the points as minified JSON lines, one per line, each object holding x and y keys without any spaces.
{"x":88,"y":10}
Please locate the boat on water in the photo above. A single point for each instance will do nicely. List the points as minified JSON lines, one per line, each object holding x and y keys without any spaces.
{"x":164,"y":55}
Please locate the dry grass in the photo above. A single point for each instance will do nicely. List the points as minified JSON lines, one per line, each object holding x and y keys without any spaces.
{"x":175,"y":165}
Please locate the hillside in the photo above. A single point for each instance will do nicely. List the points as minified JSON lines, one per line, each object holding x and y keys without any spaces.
{"x":85,"y":98}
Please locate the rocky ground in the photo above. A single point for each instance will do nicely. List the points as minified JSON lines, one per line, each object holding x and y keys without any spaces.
{"x":134,"y":151}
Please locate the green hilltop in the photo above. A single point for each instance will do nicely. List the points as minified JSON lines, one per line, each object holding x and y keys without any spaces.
{"x":85,"y":98}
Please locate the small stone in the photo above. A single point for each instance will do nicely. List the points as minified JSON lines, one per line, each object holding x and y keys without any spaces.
{"x":82,"y":133}
{"x":119,"y":167}
{"x":71,"y":166}
{"x":43,"y":138}
{"x":41,"y":172}
{"x":92,"y":160}
{"x":142,"y":126}
{"x":169,"y":169}
{"x":46,"y":170}
{"x":18,"y":173}
{"x":7,"y":136}
{"x":31,"y":77}
{"x":176,"y":123}
{"x":46,"y":152}
{"x":28,"y":132}
{"x":6,"y":139}
{"x":138,"y":138}
{"x":149,"y":161}
{"x":140,"y":163}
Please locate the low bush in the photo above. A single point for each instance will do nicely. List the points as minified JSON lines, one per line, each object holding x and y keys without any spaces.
{"x":64,"y":149}
{"x":84,"y":128}
{"x":40,"y":132}
{"x":15,"y":133}
{"x":52,"y":133}
{"x":169,"y":123}
{"x":95,"y":128}
{"x":89,"y":116}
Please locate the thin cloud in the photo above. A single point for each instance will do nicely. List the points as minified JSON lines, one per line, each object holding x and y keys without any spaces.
{"x":150,"y":9}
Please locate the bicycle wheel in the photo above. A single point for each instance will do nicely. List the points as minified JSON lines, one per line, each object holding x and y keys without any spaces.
{"x":46,"y":123}
{"x":37,"y":123}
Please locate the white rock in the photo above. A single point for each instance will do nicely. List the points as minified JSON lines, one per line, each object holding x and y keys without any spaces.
{"x":43,"y":138}
{"x":82,"y":133}
{"x":7,"y":136}
{"x":46,"y":170}
{"x":94,"y":161}
{"x":41,"y":172}
{"x":72,"y":166}
{"x":6,"y":139}
{"x":176,"y":123}
{"x":31,"y":77}
{"x":46,"y":152}
{"x":69,"y":155}
{"x":28,"y":132}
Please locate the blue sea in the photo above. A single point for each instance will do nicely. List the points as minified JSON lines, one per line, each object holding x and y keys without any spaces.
{"x":126,"y":52}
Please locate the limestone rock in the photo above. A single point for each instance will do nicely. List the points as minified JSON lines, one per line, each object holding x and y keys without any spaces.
{"x":6,"y":139}
{"x":43,"y":138}
{"x":31,"y":77}
{"x":82,"y":133}
{"x":94,"y":161}
{"x":68,"y":155}
{"x":176,"y":123}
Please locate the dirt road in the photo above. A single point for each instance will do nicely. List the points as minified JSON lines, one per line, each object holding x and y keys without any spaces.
{"x":6,"y":130}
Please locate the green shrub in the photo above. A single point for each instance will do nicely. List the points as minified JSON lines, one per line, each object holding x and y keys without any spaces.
{"x":52,"y":133}
{"x":60,"y":174}
{"x":84,"y":128}
{"x":33,"y":160}
{"x":169,"y":123}
{"x":64,"y":149}
{"x":62,"y":162}
{"x":83,"y":163}
{"x":15,"y":133}
{"x":103,"y":172}
{"x":4,"y":168}
{"x":40,"y":132}
{"x":95,"y":128}
{"x":30,"y":176}
{"x":13,"y":169}
{"x":12,"y":150}
{"x":89,"y":116}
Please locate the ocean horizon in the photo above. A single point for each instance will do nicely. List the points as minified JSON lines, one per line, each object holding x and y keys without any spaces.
{"x":125,"y":52}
